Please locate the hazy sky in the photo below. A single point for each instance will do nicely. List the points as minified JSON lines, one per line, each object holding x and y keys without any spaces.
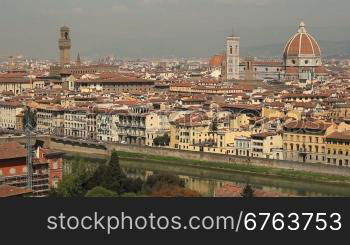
{"x":151,"y":28}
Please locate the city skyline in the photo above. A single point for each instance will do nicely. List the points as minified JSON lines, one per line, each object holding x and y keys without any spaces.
{"x":156,"y":28}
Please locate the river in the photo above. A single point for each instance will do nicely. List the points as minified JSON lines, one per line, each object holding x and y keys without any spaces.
{"x":206,"y":181}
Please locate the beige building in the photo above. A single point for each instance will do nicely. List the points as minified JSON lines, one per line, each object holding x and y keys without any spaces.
{"x":50,"y":120}
{"x":15,"y":85}
{"x":115,"y":84}
{"x":267,"y":145}
{"x":75,"y":122}
{"x":9,"y":112}
{"x":157,"y":125}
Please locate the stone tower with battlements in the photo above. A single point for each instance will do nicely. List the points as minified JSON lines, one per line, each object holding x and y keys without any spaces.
{"x":64,"y":44}
{"x":232,"y":58}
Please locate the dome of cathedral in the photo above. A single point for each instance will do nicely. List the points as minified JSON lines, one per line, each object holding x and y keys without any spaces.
{"x":302,"y":44}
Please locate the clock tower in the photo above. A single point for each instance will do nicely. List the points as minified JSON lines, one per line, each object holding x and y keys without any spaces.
{"x":64,"y":44}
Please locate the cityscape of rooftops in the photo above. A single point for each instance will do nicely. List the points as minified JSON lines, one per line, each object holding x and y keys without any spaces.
{"x":171,"y":98}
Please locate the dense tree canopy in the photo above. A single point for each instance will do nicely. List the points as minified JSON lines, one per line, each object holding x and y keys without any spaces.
{"x":158,"y":181}
{"x":162,"y":140}
{"x":109,"y":180}
{"x":100,"y":191}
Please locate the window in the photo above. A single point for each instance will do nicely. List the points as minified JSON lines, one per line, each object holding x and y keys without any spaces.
{"x":306,"y":62}
{"x":24,"y":170}
{"x":12,"y":171}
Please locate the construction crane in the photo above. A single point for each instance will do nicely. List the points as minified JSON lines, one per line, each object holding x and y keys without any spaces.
{"x":29,"y":132}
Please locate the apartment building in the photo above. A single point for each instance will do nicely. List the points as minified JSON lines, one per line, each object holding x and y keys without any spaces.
{"x":50,"y":120}
{"x":243,"y":146}
{"x":304,"y":141}
{"x":132,"y":125}
{"x":106,"y":125}
{"x":75,"y":122}
{"x":91,"y":123}
{"x":47,"y":168}
{"x":267,"y":145}
{"x":115,"y":84}
{"x":191,"y":132}
{"x":338,"y":149}
{"x":9,"y":112}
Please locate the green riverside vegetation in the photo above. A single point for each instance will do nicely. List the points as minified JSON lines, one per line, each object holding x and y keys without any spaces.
{"x":84,"y":178}
{"x":238,"y":168}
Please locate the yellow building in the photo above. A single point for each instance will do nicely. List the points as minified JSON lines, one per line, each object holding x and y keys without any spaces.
{"x":239,"y":121}
{"x":273,"y":113}
{"x":339,"y":111}
{"x":304,"y":141}
{"x":191,"y":132}
{"x":338,"y":148}
{"x":224,"y":141}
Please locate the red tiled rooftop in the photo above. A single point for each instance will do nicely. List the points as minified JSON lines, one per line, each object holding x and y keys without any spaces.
{"x":11,"y":191}
{"x":12,"y":150}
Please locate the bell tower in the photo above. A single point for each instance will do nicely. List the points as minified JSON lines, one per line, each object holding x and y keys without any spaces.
{"x":64,"y":44}
{"x":232,"y":57}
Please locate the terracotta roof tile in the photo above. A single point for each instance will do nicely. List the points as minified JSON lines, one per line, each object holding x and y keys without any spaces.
{"x":12,"y":150}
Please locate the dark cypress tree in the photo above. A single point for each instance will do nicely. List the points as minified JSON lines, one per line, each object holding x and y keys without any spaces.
{"x":97,"y":178}
{"x":248,"y":192}
{"x":114,"y":176}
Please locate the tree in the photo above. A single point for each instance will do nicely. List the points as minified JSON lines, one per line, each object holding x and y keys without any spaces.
{"x":71,"y":186}
{"x":97,"y":178}
{"x":114,"y":176}
{"x":110,"y":176}
{"x":130,"y":185}
{"x":100,"y":191}
{"x":158,"y":181}
{"x":248,"y":192}
{"x":74,"y":184}
{"x":162,"y":140}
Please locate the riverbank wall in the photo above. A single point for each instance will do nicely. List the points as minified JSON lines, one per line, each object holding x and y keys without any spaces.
{"x":103,"y":151}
